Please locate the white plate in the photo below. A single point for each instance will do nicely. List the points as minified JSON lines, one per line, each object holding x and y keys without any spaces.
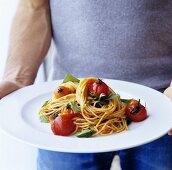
{"x":20,"y":120}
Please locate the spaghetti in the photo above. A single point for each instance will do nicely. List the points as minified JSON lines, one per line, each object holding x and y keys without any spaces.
{"x":101,"y":115}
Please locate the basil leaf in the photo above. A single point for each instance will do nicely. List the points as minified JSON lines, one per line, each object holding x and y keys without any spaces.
{"x":93,"y":95}
{"x":102,"y":95}
{"x":70,"y":77}
{"x":45,"y":103}
{"x":85,"y":133}
{"x":126,"y":101}
{"x":75,"y":107}
{"x":118,"y":95}
{"x":128,"y":121}
{"x":112,"y":96}
{"x":44,"y":119}
{"x":103,"y":102}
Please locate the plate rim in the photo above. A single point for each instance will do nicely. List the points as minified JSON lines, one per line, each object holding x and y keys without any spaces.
{"x":73,"y":150}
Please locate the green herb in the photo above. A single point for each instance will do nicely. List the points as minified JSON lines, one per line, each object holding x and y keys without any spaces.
{"x":85,"y":133}
{"x":70,"y":77}
{"x":103,"y":99}
{"x":44,"y":119}
{"x":75,"y":107}
{"x":94,"y":96}
{"x":128,"y":121}
{"x":45,"y":103}
{"x":117,"y":95}
{"x":112,"y":96}
{"x":101,"y":103}
{"x":126,"y":101}
{"x":102,"y":96}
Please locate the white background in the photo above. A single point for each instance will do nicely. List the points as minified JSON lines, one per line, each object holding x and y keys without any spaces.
{"x":14,"y":155}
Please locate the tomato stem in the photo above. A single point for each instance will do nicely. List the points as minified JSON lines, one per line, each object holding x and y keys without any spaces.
{"x":99,"y":81}
{"x":136,"y":109}
{"x":60,"y":90}
{"x":139,"y":103}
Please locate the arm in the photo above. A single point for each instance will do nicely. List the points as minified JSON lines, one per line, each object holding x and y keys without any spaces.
{"x":29,"y":43}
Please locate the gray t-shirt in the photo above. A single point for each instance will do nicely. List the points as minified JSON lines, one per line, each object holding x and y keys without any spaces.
{"x":129,"y":40}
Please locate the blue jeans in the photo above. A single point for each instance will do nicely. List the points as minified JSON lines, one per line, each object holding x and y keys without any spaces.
{"x":156,"y":155}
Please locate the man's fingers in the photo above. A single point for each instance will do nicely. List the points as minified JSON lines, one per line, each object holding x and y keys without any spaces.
{"x":170,"y":132}
{"x":168,"y":92}
{"x":7,"y":87}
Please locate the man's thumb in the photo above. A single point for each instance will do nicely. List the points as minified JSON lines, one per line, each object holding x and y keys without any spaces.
{"x":7,"y":87}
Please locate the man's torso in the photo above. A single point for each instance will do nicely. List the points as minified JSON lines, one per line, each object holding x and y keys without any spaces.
{"x":126,"y":40}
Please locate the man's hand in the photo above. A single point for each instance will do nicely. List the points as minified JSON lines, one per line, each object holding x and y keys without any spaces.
{"x":168,"y":92}
{"x":7,"y":87}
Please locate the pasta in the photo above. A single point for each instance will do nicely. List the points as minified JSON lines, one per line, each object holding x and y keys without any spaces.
{"x":105,"y":120}
{"x":102,"y":115}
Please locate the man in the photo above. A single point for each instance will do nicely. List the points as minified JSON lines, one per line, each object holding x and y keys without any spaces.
{"x":128,"y":40}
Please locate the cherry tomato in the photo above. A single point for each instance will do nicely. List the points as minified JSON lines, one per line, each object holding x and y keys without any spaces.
{"x":135,"y":111}
{"x":61,"y":91}
{"x":63,"y":124}
{"x":98,"y":87}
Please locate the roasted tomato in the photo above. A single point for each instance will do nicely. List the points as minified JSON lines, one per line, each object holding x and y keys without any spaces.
{"x":61,"y":91}
{"x":98,"y":87}
{"x":63,"y":124}
{"x":135,"y":111}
